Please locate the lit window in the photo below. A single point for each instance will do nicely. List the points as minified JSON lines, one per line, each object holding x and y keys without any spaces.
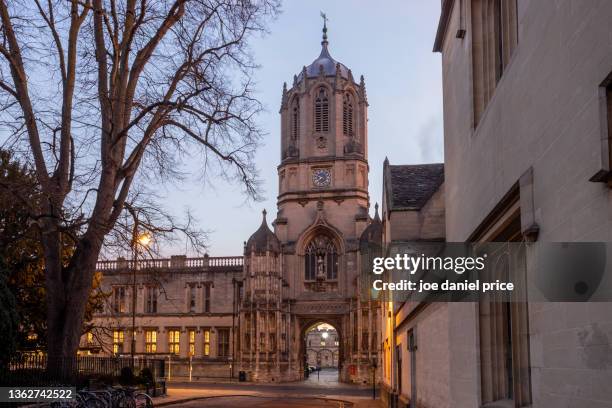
{"x":90,"y":337}
{"x":206,"y":336}
{"x":173,"y":341}
{"x":191,"y":342}
{"x":118,"y":336}
{"x":151,"y":341}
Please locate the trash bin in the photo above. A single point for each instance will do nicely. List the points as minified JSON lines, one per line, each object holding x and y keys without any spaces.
{"x":242,"y":376}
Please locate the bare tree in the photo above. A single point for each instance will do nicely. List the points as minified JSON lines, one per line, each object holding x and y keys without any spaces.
{"x":107,"y":95}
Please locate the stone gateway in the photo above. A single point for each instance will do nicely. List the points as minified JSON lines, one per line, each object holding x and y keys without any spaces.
{"x":308,"y":270}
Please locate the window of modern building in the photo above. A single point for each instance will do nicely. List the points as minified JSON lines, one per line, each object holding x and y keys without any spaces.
{"x":206,"y":341}
{"x":223,"y":342}
{"x":150,"y":341}
{"x":118,"y":337}
{"x":321,"y":111}
{"x":151,"y":299}
{"x":119,"y":303}
{"x":192,"y":336}
{"x":494,"y":39}
{"x":174,"y":340}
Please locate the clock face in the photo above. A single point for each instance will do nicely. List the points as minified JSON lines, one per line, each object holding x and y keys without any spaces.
{"x":321,"y":177}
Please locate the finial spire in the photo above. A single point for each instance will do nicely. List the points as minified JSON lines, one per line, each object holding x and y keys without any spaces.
{"x":324,"y":17}
{"x":264,"y":212}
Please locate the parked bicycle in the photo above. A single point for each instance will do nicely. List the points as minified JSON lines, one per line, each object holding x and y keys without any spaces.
{"x":110,"y":397}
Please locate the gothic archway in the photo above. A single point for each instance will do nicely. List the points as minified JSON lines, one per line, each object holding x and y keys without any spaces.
{"x":313,"y":355}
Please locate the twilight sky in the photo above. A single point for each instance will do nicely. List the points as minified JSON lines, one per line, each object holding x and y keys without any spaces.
{"x":389,"y":43}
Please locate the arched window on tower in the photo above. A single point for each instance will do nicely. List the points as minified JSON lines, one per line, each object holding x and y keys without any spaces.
{"x":321,"y":259}
{"x":347,"y":115}
{"x":295,"y":120}
{"x":322,"y":111}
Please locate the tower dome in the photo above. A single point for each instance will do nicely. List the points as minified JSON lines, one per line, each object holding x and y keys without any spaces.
{"x":324,"y":64}
{"x":263,"y":239}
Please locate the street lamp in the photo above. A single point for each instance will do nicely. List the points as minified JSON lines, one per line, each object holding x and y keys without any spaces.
{"x":144,"y":240}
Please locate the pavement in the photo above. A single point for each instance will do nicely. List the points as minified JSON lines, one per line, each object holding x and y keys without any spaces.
{"x":320,"y":390}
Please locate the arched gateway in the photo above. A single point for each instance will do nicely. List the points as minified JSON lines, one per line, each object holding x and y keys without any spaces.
{"x":308,"y":270}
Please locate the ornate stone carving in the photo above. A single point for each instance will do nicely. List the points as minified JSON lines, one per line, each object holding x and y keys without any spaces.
{"x":321,"y":142}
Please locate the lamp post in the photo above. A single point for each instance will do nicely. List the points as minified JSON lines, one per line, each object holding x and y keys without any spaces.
{"x":143,"y":239}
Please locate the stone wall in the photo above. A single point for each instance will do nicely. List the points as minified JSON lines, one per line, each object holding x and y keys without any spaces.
{"x":545,"y":115}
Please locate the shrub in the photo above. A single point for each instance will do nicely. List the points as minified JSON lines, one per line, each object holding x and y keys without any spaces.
{"x":146,"y":376}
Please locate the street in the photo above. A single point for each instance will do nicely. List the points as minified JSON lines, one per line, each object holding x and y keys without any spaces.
{"x":321,"y":390}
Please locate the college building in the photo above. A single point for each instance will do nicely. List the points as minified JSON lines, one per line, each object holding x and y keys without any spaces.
{"x":251,"y":313}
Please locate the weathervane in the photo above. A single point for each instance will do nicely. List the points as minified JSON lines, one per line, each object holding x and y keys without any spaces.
{"x":324,"y":17}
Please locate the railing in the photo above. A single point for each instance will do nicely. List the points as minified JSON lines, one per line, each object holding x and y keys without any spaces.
{"x":175,"y":262}
{"x":34,"y":369}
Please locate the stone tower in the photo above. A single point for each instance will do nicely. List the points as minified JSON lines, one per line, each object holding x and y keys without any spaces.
{"x":307,"y":272}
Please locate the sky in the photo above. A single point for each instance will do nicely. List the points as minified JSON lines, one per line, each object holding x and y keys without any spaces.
{"x":390,"y":43}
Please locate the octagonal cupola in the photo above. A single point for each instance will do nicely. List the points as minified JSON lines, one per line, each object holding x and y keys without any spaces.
{"x":324,"y":65}
{"x":324,"y":112}
{"x":263,"y":240}
{"x":373,"y":234}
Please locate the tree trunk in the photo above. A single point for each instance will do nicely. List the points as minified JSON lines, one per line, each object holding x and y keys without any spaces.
{"x":66,"y":302}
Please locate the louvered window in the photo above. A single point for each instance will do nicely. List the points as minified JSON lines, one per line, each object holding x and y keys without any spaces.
{"x":347,"y":115}
{"x":295,"y":120}
{"x":322,"y":111}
